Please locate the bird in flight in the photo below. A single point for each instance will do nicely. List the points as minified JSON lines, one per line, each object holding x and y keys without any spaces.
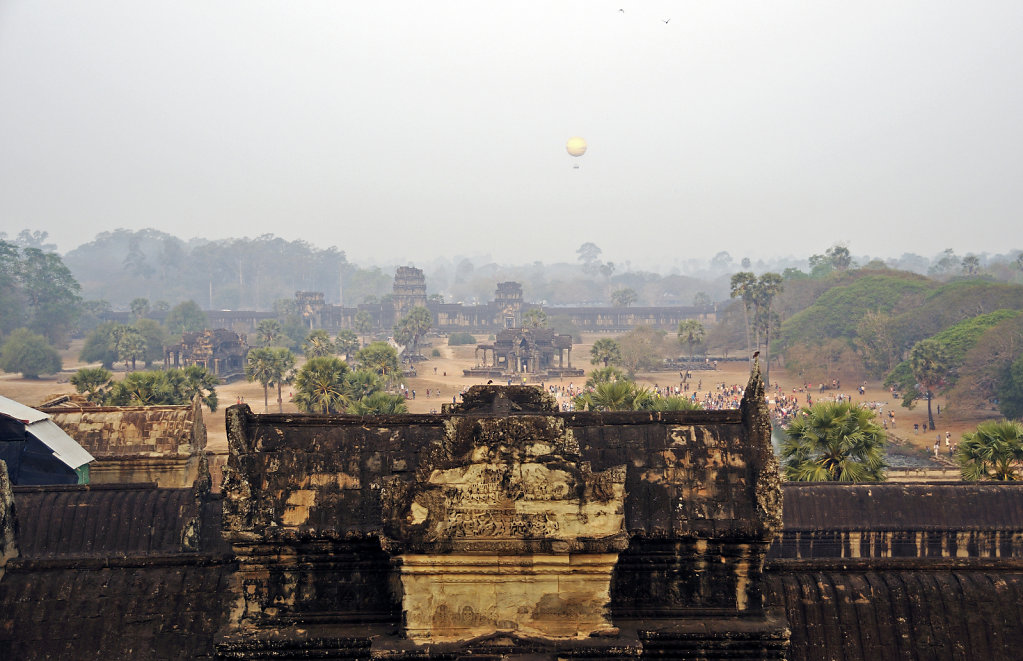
{"x":666,"y":21}
{"x":622,"y":10}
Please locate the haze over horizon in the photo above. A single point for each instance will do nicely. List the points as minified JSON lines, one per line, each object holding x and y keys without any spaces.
{"x":403,"y":131}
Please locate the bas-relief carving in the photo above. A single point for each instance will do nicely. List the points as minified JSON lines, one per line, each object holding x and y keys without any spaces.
{"x":451,"y":597}
{"x":511,"y":532}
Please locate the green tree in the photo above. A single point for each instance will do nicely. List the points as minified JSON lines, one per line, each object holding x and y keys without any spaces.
{"x":130,"y":345}
{"x":834,"y":442}
{"x":92,"y":382}
{"x":412,"y":327}
{"x":139,"y":307}
{"x":282,"y":366}
{"x":875,"y":342}
{"x":363,"y":324}
{"x":30,"y":354}
{"x":623,"y":298}
{"x":605,"y":351}
{"x":362,"y":383}
{"x":701,"y":299}
{"x":259,"y":369}
{"x":379,"y":403}
{"x":381,"y":358}
{"x":622,"y":395}
{"x":186,"y":317}
{"x":676,"y":403}
{"x":101,"y":346}
{"x":268,"y":332}
{"x":155,"y":337}
{"x":534,"y":318}
{"x":346,"y":343}
{"x":766,"y":289}
{"x":143,"y":389}
{"x":605,"y":374}
{"x":690,"y":333}
{"x":971,"y":265}
{"x":51,"y":294}
{"x":318,"y":344}
{"x":743,"y":286}
{"x":319,"y":386}
{"x":931,"y":365}
{"x":992,"y":452}
{"x":202,"y":383}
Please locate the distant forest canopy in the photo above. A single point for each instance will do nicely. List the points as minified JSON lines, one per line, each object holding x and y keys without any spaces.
{"x":253,"y":273}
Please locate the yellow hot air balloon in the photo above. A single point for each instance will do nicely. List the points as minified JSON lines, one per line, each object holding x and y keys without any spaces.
{"x":576,"y":146}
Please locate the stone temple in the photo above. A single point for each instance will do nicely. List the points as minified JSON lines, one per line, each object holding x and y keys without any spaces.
{"x":504,"y":529}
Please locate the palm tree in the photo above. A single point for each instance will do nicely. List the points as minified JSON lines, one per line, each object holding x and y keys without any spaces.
{"x":764,"y":292}
{"x":379,"y":403}
{"x":690,"y":333}
{"x":674,"y":404}
{"x":743,"y":285}
{"x":319,"y":386}
{"x":363,"y":324}
{"x":418,"y":321}
{"x":200,"y":382}
{"x":347,"y":343}
{"x":282,"y":361}
{"x":91,"y":381}
{"x":317,"y":344}
{"x":381,"y":358}
{"x":931,"y":363}
{"x":834,"y":442}
{"x":994,"y":451}
{"x":362,"y":383}
{"x":605,"y":350}
{"x":605,"y":374}
{"x":259,"y":368}
{"x":268,"y":332}
{"x":534,"y":318}
{"x":623,"y":395}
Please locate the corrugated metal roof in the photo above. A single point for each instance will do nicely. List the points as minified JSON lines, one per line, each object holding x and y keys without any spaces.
{"x":20,"y":412}
{"x":49,"y":434}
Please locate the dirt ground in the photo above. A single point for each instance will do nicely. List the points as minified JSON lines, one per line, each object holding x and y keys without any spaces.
{"x":443,"y":378}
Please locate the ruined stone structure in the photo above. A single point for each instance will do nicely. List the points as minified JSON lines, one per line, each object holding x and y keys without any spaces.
{"x":539,"y":352}
{"x":220,"y":351}
{"x":508,"y":300}
{"x":503,"y":529}
{"x":161,"y":444}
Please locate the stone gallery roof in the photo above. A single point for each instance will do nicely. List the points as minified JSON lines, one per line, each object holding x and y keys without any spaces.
{"x":902,"y":506}
{"x":864,"y":615}
{"x":104,"y":520}
{"x":110,"y":432}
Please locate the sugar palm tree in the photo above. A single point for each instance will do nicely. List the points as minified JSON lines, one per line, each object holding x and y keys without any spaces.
{"x":621,"y":395}
{"x":674,"y":404}
{"x":268,"y":332}
{"x":317,"y":344}
{"x":994,"y":451}
{"x":319,"y":386}
{"x":690,"y":333}
{"x":378,"y":403}
{"x":363,"y":324}
{"x":200,"y":382}
{"x":282,"y":362}
{"x":259,"y":368}
{"x":606,"y":351}
{"x":834,"y":442}
{"x":346,"y":343}
{"x":91,"y":381}
{"x":931,"y":365}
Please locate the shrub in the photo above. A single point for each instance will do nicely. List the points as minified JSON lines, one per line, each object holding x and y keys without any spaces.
{"x":461,"y":338}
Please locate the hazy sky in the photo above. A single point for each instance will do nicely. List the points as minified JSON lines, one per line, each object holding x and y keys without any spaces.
{"x":407,"y":130}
